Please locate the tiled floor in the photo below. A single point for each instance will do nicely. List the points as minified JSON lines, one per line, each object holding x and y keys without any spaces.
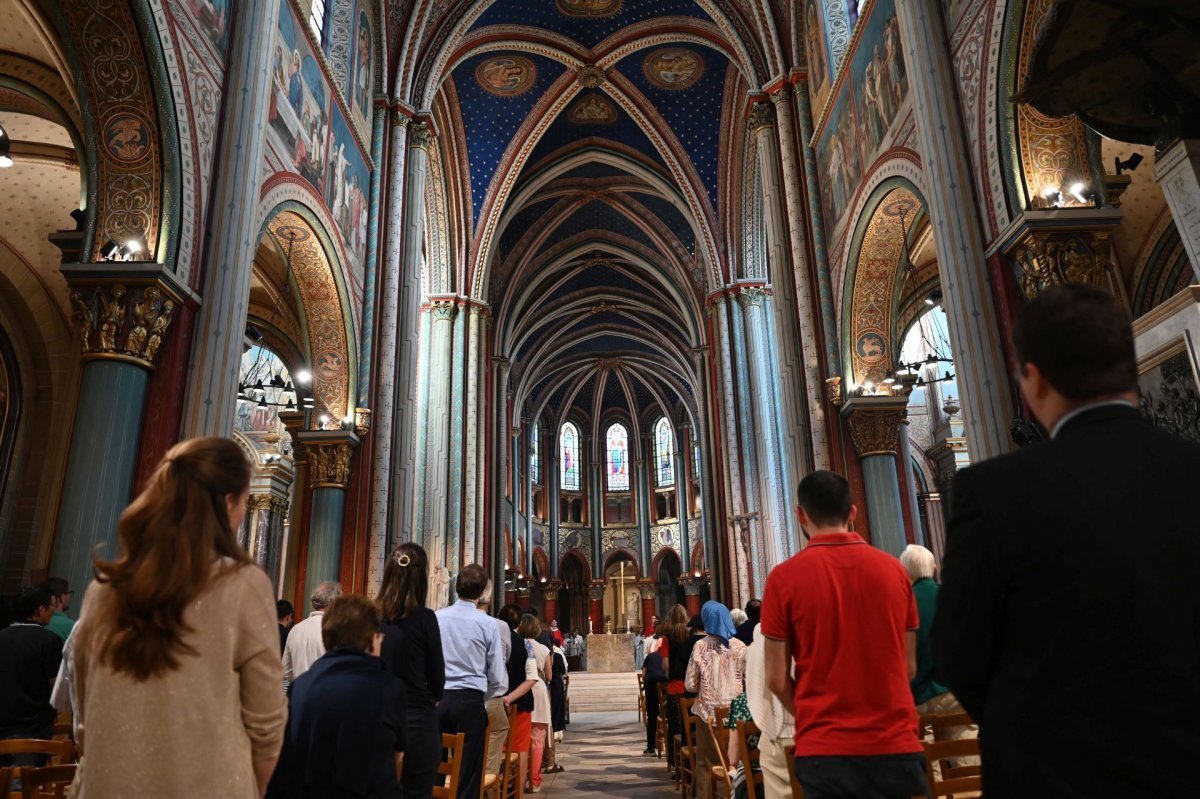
{"x":602,"y":757}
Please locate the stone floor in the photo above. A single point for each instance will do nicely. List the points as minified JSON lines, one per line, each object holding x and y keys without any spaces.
{"x":602,"y":757}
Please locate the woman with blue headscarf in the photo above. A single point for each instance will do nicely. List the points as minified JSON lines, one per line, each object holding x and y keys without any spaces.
{"x":714,"y":674}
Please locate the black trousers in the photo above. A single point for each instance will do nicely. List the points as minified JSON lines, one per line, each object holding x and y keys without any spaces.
{"x":466,"y":712}
{"x":652,"y":719}
{"x":423,"y":752}
{"x":862,"y":777}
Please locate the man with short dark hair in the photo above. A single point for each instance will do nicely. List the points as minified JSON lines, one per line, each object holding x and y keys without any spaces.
{"x":346,"y":726}
{"x":1066,"y":620}
{"x":475,"y":672}
{"x":844,"y":612}
{"x":29,"y":659}
{"x":286,"y":614}
{"x":60,"y":595}
{"x":745,"y":630}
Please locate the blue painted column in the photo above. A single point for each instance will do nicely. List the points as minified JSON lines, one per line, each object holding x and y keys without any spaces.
{"x":644,"y":490}
{"x":596,"y":517}
{"x":122,"y":315}
{"x":874,"y":429}
{"x":329,"y":453}
{"x":683,"y":483}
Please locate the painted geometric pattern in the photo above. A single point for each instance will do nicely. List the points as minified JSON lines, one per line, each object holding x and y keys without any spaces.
{"x":589,"y":29}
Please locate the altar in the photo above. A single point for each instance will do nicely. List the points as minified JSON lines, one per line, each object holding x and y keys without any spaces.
{"x":607,"y":654}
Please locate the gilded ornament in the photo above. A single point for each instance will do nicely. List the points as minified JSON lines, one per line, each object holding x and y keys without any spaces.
{"x":590,"y":76}
{"x":329,"y":464}
{"x":158,"y":330}
{"x":875,"y":430}
{"x":419,"y":135}
{"x":761,"y":116}
{"x":144,"y":314}
{"x":362,"y":421}
{"x":596,"y":590}
{"x":81,"y":314}
{"x":112,"y":316}
{"x":833,"y":391}
{"x":1044,"y":262}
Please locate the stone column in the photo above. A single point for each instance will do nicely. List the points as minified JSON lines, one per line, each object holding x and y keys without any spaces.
{"x":737,"y":505}
{"x":648,"y":588}
{"x":550,"y":589}
{"x":683,"y":488}
{"x":596,"y":605}
{"x":596,"y":517}
{"x":122,"y":317}
{"x":523,"y":591}
{"x":408,"y":311}
{"x":937,"y":526}
{"x":775,"y":476}
{"x":482,"y":520}
{"x":874,"y":429}
{"x":385,"y":528}
{"x":277,"y":515}
{"x":329,"y":453}
{"x":434,"y":472}
{"x":520,"y":527}
{"x":256,"y":528}
{"x":233,"y":233}
{"x":970,"y":307}
{"x":550,"y":478}
{"x":786,"y":213}
{"x":527,"y":491}
{"x":1177,"y":169}
{"x":754,"y":487}
{"x":910,"y":485}
{"x":692,"y":585}
{"x":453,"y":528}
{"x":500,"y":557}
{"x":474,"y":435}
{"x":644,"y":488}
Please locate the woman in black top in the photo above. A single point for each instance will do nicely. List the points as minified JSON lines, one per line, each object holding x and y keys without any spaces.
{"x":412,"y":650}
{"x":522,"y":676}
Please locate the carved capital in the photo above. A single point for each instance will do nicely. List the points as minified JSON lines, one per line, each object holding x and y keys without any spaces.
{"x":419,"y":135}
{"x":328,"y":455}
{"x":692,"y":584}
{"x":362,"y":421}
{"x":781,"y":96}
{"x":833,"y":391}
{"x":647,"y":588}
{"x":875,"y":423}
{"x":596,"y":590}
{"x":1043,"y":260}
{"x":122,"y":317}
{"x":550,"y":589}
{"x":443,"y":310}
{"x":761,"y":116}
{"x":753,"y":295}
{"x":590,"y":77}
{"x":257,"y":502}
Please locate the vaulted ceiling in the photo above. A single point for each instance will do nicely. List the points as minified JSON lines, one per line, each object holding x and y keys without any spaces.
{"x":597,"y":136}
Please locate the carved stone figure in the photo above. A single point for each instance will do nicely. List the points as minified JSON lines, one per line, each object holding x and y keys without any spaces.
{"x":81,"y":314}
{"x":112,"y":316}
{"x":158,"y":329}
{"x":144,"y":315}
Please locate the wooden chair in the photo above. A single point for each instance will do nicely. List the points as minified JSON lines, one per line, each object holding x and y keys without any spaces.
{"x":687,"y":752}
{"x":660,"y":743}
{"x":789,"y":752}
{"x":947,"y":779}
{"x":6,"y":777}
{"x":62,"y":751}
{"x":49,"y":782}
{"x":452,"y":746}
{"x":503,"y":784}
{"x":719,"y":774}
{"x":750,"y":758}
{"x":642,"y":699}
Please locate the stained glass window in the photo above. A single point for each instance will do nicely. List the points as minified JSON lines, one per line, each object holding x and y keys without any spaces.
{"x":696,"y":462}
{"x":664,"y":454}
{"x":618,"y":457}
{"x":569,"y":466}
{"x":535,"y":463}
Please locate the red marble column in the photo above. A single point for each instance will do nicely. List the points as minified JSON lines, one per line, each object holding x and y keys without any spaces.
{"x":523,"y":594}
{"x":691,"y":593}
{"x":550,"y":601}
{"x":648,"y":589}
{"x":596,"y":606}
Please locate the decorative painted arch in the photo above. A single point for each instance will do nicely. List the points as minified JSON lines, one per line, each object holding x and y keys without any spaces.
{"x":541,"y":563}
{"x":612,"y":556}
{"x":869,"y":291}
{"x":113,"y":48}
{"x":320,"y":286}
{"x":1164,"y":270}
{"x":581,"y":558}
{"x":698,"y":563}
{"x":662,"y":555}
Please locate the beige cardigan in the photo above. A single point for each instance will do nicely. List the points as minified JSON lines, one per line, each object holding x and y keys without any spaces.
{"x":197,"y":730}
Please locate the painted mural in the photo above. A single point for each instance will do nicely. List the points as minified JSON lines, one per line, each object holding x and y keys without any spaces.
{"x":348,"y":182}
{"x":309,"y":130}
{"x":869,"y":96}
{"x":361,"y":71}
{"x":213,"y":18}
{"x":817,"y":53}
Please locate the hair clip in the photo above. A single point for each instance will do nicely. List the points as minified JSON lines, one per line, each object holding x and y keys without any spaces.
{"x":403,"y":559}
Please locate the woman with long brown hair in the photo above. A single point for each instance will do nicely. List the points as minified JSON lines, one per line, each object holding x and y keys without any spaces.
{"x":177,"y":655}
{"x":412,"y":650}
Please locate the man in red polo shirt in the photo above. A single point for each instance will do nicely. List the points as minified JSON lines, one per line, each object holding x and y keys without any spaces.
{"x":844,"y":612}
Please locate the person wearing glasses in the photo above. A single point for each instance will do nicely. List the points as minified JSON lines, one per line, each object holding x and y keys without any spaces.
{"x":60,"y":593}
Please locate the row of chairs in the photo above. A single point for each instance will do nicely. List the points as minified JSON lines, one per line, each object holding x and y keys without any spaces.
{"x":45,"y":782}
{"x":946,"y":771}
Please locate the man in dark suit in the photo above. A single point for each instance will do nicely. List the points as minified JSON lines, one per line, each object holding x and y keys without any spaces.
{"x":1068,"y":623}
{"x":745,"y":630}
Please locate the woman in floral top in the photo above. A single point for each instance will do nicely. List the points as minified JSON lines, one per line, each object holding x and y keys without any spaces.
{"x":714,"y":673}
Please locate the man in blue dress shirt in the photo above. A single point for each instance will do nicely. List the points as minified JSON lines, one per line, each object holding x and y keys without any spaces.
{"x":475,"y":672}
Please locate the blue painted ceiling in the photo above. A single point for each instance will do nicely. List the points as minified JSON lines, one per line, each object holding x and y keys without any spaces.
{"x":624,"y":130}
{"x":588,"y":31}
{"x":490,"y":121}
{"x":599,"y":216}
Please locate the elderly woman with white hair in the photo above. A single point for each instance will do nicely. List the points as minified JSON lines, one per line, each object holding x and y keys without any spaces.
{"x":929,"y":695}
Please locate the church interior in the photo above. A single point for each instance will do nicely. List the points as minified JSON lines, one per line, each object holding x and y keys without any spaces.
{"x":577,"y":290}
